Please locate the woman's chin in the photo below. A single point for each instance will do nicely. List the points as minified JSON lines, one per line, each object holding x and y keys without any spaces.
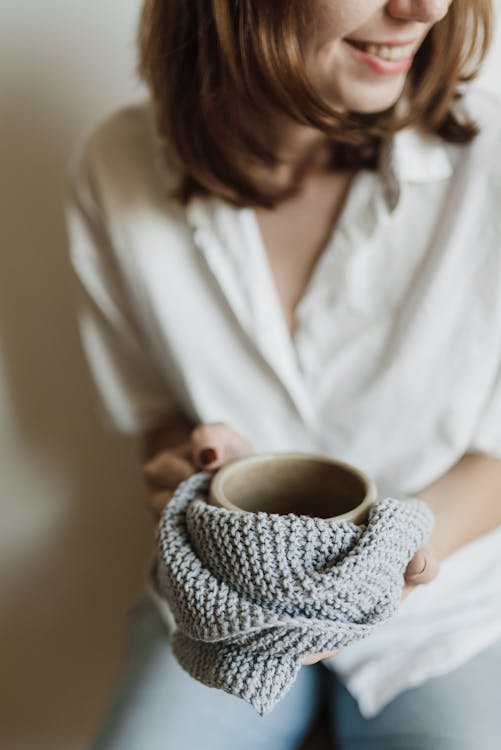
{"x":371,"y":99}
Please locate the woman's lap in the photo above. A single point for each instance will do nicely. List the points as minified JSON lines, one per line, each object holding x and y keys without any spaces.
{"x":158,"y":706}
{"x":457,"y":711}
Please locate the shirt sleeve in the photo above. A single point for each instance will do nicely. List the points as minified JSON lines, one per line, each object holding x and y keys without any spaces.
{"x":131,"y":395}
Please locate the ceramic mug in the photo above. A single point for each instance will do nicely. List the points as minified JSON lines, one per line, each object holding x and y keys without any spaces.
{"x":302,"y":483}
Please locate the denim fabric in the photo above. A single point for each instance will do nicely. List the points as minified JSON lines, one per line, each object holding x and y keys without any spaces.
{"x":158,"y":706}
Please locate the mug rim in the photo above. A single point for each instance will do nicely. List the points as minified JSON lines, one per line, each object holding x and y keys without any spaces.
{"x":232,"y":465}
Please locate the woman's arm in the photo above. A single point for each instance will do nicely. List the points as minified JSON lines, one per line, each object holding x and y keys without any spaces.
{"x":466,"y":502}
{"x":169,"y":433}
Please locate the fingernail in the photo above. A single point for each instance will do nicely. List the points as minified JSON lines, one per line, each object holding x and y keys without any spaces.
{"x":207,"y":456}
{"x":418,"y":573}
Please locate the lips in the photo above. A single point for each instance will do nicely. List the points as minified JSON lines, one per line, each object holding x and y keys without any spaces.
{"x":384,"y":58}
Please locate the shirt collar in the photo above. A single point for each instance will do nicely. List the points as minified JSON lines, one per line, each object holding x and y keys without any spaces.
{"x":414,"y":156}
{"x":410,"y":155}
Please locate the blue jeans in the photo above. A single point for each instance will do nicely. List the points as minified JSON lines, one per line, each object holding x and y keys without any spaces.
{"x":158,"y":706}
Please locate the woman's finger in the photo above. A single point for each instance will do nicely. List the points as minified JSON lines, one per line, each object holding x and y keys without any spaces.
{"x":167,"y":469}
{"x":313,"y":658}
{"x":214,"y":444}
{"x":156,"y":501}
{"x":408,"y":587}
{"x":423,"y":567}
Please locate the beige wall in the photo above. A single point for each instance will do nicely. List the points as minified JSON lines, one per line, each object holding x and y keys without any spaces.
{"x":73,"y":535}
{"x":74,"y":539}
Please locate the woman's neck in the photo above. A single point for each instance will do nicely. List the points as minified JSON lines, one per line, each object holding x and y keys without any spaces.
{"x":303,"y":153}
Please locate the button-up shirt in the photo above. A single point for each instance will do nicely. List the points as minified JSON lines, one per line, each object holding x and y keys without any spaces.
{"x":394,"y":364}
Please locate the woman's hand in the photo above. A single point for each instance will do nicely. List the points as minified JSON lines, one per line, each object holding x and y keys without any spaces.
{"x":207,"y":448}
{"x":423,"y":568}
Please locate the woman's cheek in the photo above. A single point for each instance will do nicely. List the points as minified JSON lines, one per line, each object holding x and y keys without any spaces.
{"x":334,"y":19}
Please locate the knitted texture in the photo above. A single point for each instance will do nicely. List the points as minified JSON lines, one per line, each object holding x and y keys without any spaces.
{"x":252,"y":594}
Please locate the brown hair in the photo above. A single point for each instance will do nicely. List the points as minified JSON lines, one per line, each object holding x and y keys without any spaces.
{"x":214,"y":67}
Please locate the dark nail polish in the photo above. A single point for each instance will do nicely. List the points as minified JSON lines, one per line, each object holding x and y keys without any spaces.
{"x":207,"y":456}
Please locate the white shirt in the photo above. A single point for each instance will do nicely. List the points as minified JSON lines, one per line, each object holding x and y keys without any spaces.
{"x":395,"y":365}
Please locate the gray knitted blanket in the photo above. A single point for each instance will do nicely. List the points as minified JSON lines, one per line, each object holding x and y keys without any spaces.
{"x":252,"y":594}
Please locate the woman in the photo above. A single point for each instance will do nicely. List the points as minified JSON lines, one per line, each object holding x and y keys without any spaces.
{"x":295,"y":246}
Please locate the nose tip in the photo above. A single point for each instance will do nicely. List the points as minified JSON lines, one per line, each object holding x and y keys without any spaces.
{"x":426,"y":11}
{"x":433,"y":10}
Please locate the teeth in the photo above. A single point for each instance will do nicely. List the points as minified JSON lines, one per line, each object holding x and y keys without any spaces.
{"x":388,"y":53}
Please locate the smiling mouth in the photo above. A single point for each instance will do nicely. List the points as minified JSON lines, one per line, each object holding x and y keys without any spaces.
{"x":391,"y":53}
